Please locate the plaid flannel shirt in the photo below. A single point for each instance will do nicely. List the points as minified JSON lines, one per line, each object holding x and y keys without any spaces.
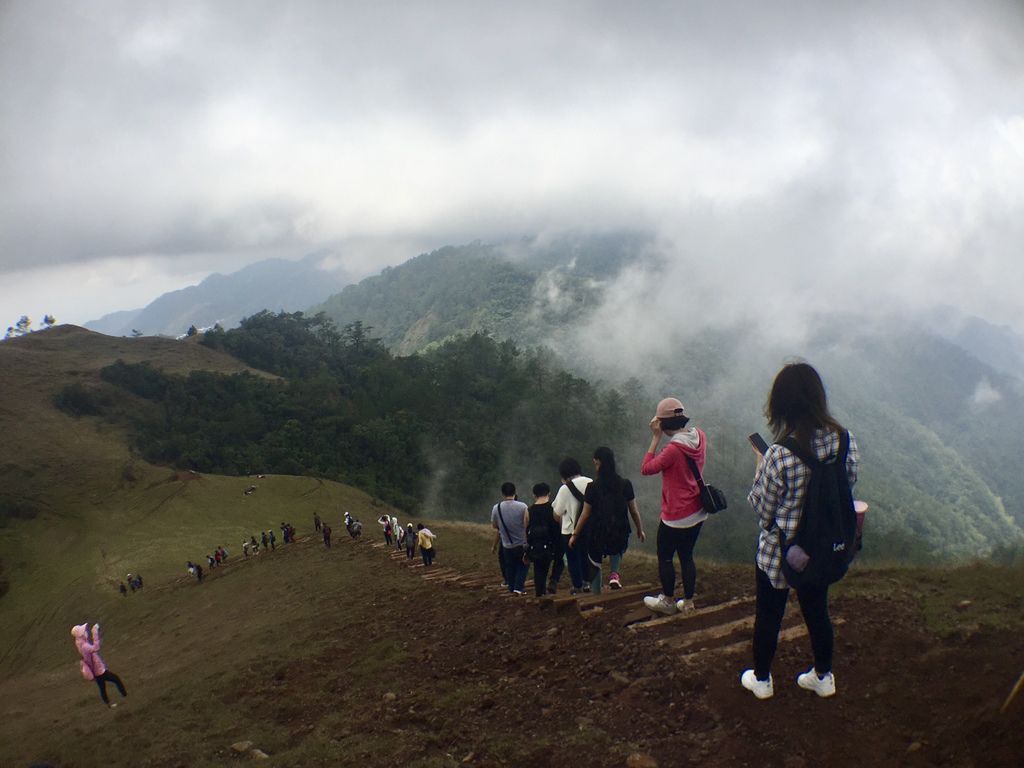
{"x":777,"y":496}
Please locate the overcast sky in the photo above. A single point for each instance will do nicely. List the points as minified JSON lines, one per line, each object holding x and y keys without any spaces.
{"x":877,"y":147}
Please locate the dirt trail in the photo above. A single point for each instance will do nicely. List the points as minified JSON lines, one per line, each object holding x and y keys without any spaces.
{"x":669,"y":686}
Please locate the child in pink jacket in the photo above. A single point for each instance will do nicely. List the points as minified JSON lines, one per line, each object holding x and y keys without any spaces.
{"x":92,"y":665}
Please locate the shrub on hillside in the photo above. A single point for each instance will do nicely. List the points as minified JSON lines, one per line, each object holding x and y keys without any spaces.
{"x":78,"y":400}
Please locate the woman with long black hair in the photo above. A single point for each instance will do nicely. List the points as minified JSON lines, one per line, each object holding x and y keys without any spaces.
{"x":615,"y":497}
{"x":797,"y":410}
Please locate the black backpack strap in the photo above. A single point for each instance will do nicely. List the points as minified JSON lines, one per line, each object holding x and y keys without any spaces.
{"x":575,"y":491}
{"x":794,"y":447}
{"x":502,"y":519}
{"x":696,"y":473}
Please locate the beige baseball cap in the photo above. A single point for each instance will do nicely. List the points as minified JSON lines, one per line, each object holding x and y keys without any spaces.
{"x":668,"y":408}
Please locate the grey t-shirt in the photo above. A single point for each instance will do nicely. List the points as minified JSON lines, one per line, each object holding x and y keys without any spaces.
{"x":513,"y":515}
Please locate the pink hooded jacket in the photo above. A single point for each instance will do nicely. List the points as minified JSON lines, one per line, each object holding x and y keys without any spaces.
{"x":680,"y":494}
{"x":92,"y":664}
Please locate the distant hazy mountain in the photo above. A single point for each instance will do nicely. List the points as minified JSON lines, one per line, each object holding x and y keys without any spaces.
{"x":524,"y":291}
{"x":997,"y":345}
{"x":274,"y":284}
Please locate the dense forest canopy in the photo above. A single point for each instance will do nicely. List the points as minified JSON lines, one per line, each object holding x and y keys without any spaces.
{"x":444,"y":429}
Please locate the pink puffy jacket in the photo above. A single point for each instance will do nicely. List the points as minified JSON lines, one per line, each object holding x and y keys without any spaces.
{"x":92,"y":663}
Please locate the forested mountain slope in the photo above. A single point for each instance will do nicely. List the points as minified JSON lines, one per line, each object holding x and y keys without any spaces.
{"x":940,"y":429}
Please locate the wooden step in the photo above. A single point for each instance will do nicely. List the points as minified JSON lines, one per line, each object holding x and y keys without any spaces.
{"x":611,"y":597}
{"x":796,"y":632}
{"x":658,"y":620}
{"x":693,"y":640}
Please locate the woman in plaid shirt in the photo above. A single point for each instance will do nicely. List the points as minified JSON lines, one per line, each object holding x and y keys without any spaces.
{"x":796,"y":407}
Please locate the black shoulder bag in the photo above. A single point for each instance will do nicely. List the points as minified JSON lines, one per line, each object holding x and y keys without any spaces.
{"x":711,"y":498}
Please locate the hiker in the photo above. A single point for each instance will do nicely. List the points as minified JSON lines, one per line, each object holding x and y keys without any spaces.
{"x":567,"y":506}
{"x":542,"y":533}
{"x":131,"y":582}
{"x":425,"y":538}
{"x":264,"y":540}
{"x":410,"y":542}
{"x":138,"y":581}
{"x":273,"y":541}
{"x":798,"y":414}
{"x":508,"y":518}
{"x":245,"y":548}
{"x":285,"y":533}
{"x":223,"y":554}
{"x":316,"y":521}
{"x":385,"y":522}
{"x":199,"y":573}
{"x":396,"y":529}
{"x":123,"y":590}
{"x":682,"y":511}
{"x":327,"y":535}
{"x":210,"y":562}
{"x":92,"y":665}
{"x":216,"y":556}
{"x":611,"y":501}
{"x":191,"y":568}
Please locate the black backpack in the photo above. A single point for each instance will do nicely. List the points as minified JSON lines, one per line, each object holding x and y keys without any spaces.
{"x":823,"y":546}
{"x":539,"y":543}
{"x":608,"y":524}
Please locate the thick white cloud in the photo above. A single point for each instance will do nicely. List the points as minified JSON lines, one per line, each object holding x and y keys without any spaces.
{"x":880,"y":143}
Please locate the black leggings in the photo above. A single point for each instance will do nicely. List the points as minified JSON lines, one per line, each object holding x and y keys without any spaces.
{"x":101,"y":682}
{"x":771,"y":607}
{"x":672,"y":542}
{"x":540,"y":575}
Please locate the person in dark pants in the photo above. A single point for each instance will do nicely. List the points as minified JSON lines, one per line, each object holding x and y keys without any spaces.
{"x":567,"y":506}
{"x":508,"y":518}
{"x":543,"y":531}
{"x":326,"y":531}
{"x":797,"y":407}
{"x":92,"y":665}
{"x":682,"y":512}
{"x":410,"y":542}
{"x":316,"y":521}
{"x":425,"y":538}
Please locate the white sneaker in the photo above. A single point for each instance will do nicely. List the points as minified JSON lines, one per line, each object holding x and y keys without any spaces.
{"x":661,"y":604}
{"x":685,"y":606}
{"x":762,"y":689}
{"x":823,"y":686}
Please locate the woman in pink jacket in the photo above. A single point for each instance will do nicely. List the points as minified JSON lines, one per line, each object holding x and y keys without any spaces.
{"x":93,"y":667}
{"x":682,"y":513}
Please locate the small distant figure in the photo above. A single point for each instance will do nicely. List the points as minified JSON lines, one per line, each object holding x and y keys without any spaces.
{"x":210,"y":562}
{"x":191,"y":568}
{"x":250,"y":490}
{"x":385,"y":523}
{"x":216,"y":557}
{"x":395,"y":530}
{"x":138,"y":581}
{"x":425,"y":538}
{"x":199,"y":573}
{"x":123,"y":590}
{"x":223,"y":554}
{"x":410,"y":542}
{"x":326,"y":531}
{"x":316,"y":520}
{"x":245,"y":548}
{"x":254,"y":545}
{"x":131,"y":582}
{"x":265,"y":540}
{"x":92,"y":665}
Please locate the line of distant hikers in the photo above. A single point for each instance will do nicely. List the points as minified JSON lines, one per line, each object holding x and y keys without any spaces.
{"x":801,"y":494}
